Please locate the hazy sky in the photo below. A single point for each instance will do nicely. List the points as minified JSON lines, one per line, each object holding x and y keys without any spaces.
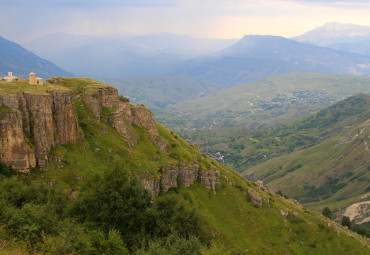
{"x":24,"y":20}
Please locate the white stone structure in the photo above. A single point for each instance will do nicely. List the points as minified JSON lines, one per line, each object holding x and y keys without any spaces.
{"x":10,"y":77}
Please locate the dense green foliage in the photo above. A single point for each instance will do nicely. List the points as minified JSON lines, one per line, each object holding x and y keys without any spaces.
{"x":346,"y":222}
{"x":327,"y":212}
{"x":111,"y":213}
{"x":6,"y":171}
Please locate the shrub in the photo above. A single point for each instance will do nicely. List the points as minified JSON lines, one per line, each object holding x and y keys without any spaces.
{"x":346,"y":222}
{"x":327,"y":213}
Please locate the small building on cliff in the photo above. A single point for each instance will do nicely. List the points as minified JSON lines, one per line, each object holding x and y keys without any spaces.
{"x":9,"y":78}
{"x":33,"y":80}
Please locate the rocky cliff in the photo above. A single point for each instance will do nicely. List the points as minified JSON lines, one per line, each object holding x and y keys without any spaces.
{"x":171,"y":176}
{"x":31,"y":124}
{"x":122,"y":117}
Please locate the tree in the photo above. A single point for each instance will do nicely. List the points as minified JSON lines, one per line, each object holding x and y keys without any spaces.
{"x":114,"y":201}
{"x":346,"y":222}
{"x":326,"y":212}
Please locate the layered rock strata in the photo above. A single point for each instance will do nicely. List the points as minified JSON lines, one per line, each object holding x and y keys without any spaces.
{"x":31,"y":124}
{"x":122,"y":115}
{"x":171,"y":176}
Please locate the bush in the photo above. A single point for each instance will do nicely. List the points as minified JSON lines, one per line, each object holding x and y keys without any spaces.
{"x":346,"y":222}
{"x":174,"y":244}
{"x":6,"y":171}
{"x":327,"y":213}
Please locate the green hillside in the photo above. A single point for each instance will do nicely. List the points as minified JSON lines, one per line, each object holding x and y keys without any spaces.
{"x":86,"y":199}
{"x":334,"y":173}
{"x":271,"y":101}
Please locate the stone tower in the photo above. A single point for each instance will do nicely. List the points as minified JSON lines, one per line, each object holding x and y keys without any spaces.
{"x":32,"y":78}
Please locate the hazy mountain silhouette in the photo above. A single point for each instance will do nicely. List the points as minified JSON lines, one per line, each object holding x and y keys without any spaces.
{"x":16,"y":59}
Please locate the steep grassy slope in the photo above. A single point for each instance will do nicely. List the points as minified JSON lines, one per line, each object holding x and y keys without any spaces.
{"x":235,"y":213}
{"x":270,"y":101}
{"x":334,"y":173}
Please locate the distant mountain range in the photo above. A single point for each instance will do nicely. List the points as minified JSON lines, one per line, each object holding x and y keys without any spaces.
{"x":126,"y":56}
{"x":14,"y":58}
{"x":255,"y":57}
{"x":335,"y":33}
{"x":223,"y":62}
{"x":341,"y":37}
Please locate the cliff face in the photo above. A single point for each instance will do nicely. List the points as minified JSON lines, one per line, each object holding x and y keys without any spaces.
{"x":187,"y":175}
{"x":31,"y":124}
{"x":122,"y":115}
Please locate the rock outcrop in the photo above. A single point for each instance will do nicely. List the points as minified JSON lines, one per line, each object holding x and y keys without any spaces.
{"x":31,"y":124}
{"x":255,"y":197}
{"x":359,"y":212}
{"x":122,"y":115}
{"x":186,"y":175}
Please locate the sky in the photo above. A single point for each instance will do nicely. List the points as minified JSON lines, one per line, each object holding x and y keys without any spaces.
{"x":25,"y":20}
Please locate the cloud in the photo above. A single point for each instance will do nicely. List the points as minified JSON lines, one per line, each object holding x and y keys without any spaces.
{"x":200,"y":18}
{"x":89,"y":4}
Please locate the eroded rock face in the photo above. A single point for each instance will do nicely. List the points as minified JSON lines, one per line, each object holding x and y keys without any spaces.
{"x":32,"y":124}
{"x":123,"y":115}
{"x":187,"y":175}
{"x":159,"y":142}
{"x":260,"y":185}
{"x":255,"y":197}
{"x":144,"y":118}
{"x":123,"y":125}
{"x":209,"y":178}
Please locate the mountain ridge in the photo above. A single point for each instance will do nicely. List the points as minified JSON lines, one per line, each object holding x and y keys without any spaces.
{"x":334,"y":33}
{"x":20,"y":61}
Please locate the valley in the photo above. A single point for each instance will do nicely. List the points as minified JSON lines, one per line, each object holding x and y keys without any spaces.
{"x":269,"y":102}
{"x":113,"y":140}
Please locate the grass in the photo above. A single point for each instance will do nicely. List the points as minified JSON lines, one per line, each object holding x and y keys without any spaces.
{"x":5,"y":109}
{"x":78,"y":84}
{"x":24,"y":87}
{"x":238,"y":223}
